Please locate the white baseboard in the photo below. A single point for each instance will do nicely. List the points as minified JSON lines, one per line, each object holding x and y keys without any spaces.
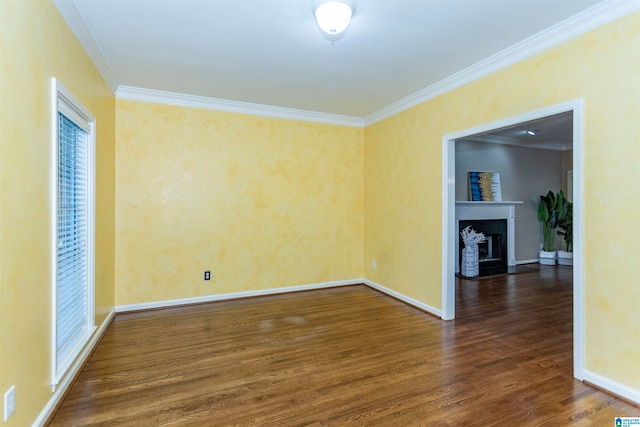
{"x":234,"y":295}
{"x":274,"y":291}
{"x":528,"y":261}
{"x":75,"y":367}
{"x":521,"y":262}
{"x":403,"y":298}
{"x":611,"y":386}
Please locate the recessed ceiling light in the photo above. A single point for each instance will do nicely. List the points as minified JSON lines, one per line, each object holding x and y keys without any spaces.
{"x":532,"y":132}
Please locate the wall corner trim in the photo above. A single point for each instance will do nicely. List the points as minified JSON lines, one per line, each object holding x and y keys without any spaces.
{"x":613,"y":387}
{"x":74,"y":369}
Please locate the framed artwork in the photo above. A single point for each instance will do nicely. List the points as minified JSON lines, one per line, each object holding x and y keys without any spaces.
{"x":484,"y":187}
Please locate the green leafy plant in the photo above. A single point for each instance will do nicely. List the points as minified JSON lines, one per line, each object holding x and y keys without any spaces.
{"x":550,"y":209}
{"x":565,"y":224}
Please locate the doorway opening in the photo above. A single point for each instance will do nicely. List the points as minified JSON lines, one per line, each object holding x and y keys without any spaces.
{"x":449,"y":232}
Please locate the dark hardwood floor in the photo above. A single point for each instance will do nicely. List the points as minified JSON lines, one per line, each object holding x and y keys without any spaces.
{"x":346,"y":356}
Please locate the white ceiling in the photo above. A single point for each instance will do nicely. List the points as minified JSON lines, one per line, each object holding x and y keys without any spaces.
{"x":552,"y":133}
{"x":270,"y":52}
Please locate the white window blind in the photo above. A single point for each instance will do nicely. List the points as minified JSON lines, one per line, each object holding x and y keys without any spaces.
{"x":72,"y":235}
{"x":73,"y":239}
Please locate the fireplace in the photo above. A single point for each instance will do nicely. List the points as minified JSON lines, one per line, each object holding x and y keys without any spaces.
{"x":489,"y":211}
{"x":492,"y":253}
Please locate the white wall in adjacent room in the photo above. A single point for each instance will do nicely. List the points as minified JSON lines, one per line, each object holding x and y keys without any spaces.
{"x":526,"y":173}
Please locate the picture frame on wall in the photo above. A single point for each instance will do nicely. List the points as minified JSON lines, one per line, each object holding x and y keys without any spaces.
{"x":484,"y":186}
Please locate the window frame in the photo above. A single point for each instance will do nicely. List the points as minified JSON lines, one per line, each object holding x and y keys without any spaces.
{"x":63,"y":101}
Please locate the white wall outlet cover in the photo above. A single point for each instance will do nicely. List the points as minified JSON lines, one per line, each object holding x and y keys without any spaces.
{"x":373,"y":265}
{"x":9,"y":402}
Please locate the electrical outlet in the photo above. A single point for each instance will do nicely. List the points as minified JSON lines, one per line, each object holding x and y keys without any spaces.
{"x":9,"y":402}
{"x":207,"y":275}
{"x":373,"y":265}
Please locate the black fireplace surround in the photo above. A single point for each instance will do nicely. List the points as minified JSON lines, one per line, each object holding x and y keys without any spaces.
{"x":493,"y":252}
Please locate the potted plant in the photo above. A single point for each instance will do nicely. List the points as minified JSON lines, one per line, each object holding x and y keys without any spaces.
{"x":565,"y":224}
{"x":550,"y":208}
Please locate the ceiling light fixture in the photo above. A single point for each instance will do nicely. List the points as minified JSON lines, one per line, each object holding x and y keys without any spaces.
{"x":333,"y":17}
{"x":532,"y":132}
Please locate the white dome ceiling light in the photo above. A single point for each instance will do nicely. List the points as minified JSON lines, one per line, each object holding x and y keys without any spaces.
{"x":333,"y":17}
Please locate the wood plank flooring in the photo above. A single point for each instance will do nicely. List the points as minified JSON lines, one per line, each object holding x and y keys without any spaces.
{"x":346,"y":356}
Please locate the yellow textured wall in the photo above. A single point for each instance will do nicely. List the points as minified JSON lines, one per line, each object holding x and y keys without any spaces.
{"x":35,"y":45}
{"x":261,"y":202}
{"x":266,"y":202}
{"x":403,"y":173}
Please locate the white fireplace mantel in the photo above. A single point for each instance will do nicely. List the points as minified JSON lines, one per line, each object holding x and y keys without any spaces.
{"x":490,"y":210}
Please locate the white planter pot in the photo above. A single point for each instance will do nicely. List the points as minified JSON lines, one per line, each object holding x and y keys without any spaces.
{"x":548,"y":258}
{"x":565,"y":258}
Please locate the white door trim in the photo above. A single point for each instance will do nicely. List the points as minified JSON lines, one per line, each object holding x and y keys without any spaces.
{"x":448,"y":215}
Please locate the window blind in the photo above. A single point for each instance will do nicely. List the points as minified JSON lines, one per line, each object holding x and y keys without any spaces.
{"x":72,"y":237}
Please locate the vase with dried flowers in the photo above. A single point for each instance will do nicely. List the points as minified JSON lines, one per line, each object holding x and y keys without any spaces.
{"x":470,"y":263}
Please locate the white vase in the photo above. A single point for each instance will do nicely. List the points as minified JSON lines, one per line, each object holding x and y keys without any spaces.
{"x":469,"y":264}
{"x":548,"y":257}
{"x":565,"y":258}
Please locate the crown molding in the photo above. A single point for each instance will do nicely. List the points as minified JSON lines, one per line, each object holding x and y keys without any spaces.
{"x":183,"y":100}
{"x":75,"y":21}
{"x":596,"y":16}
